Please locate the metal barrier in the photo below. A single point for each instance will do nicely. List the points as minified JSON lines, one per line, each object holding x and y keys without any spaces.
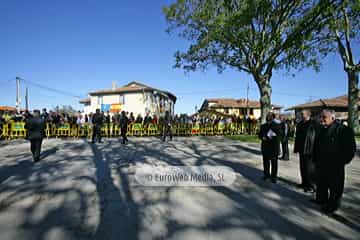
{"x":13,"y":130}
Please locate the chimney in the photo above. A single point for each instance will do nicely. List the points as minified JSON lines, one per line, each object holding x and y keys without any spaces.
{"x":113,"y":86}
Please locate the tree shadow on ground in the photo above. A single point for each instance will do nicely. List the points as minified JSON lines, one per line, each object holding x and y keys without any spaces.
{"x":126,"y":210}
{"x":19,"y":168}
{"x":118,"y":214}
{"x":273,"y":220}
{"x":43,"y":205}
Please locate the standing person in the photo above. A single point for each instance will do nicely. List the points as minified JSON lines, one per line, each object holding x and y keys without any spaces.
{"x":335,"y":147}
{"x":167,"y":126}
{"x":97,"y":121}
{"x":304,"y":143}
{"x":35,"y":127}
{"x":107,"y":120}
{"x":147,"y":119}
{"x":44,"y":114}
{"x":131,"y":118}
{"x":270,"y":140}
{"x":285,"y":138}
{"x":123,"y":121}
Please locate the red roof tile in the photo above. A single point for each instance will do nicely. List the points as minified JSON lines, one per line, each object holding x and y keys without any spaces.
{"x":341,"y":101}
{"x":132,"y":87}
{"x":236,"y":103}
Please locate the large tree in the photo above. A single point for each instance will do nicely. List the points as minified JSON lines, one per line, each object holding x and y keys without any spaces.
{"x":254,"y":36}
{"x":344,"y":31}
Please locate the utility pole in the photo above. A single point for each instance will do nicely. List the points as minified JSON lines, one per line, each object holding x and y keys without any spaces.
{"x":18,"y":100}
{"x":27,"y":99}
{"x":247,"y":98}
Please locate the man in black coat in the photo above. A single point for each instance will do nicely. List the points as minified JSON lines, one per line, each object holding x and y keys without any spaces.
{"x":285,"y":139}
{"x":35,"y":127}
{"x":123,"y":121}
{"x":167,"y":126}
{"x":269,"y":134}
{"x":44,"y":115}
{"x":97,"y":121}
{"x":306,"y":131}
{"x":335,"y":147}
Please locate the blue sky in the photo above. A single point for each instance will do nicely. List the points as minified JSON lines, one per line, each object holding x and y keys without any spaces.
{"x":82,"y":45}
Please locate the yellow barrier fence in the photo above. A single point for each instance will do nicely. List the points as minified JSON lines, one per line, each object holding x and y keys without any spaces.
{"x":13,"y":130}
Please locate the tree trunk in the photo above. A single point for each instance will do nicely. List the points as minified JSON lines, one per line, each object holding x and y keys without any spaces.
{"x":353,"y":99}
{"x":265,"y":97}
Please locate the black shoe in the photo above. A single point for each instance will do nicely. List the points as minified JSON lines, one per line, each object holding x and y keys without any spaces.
{"x":36,"y":159}
{"x":265,"y":178}
{"x":329,"y":209}
{"x":300,"y":185}
{"x":273,"y":180}
{"x":317,"y":201}
{"x":309,"y":189}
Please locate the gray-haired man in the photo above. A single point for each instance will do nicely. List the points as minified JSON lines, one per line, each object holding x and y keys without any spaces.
{"x":335,"y":147}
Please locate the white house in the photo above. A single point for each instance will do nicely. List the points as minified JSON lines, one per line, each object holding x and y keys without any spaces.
{"x":238,"y":107}
{"x":133,"y":97}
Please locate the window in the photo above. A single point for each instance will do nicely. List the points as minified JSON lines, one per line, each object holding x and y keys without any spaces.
{"x":121,"y":99}
{"x":100,"y":100}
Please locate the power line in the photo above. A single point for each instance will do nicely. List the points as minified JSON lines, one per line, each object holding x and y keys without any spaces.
{"x":50,"y":88}
{"x":7,"y":81}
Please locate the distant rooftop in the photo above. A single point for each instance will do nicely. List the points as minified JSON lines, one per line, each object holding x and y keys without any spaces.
{"x":337,"y":102}
{"x":236,"y":103}
{"x":132,"y":87}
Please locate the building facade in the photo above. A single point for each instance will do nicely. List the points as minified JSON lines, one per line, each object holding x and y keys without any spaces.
{"x":339,"y":104}
{"x":133,"y":97}
{"x":237,"y":107}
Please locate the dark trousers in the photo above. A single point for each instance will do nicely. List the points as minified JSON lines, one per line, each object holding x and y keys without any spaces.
{"x":274,"y":166}
{"x":123,"y":134}
{"x":307,"y":171}
{"x":285,"y":150}
{"x":96,"y":134}
{"x":35,"y":146}
{"x":330,"y":186}
{"x":167,"y":131}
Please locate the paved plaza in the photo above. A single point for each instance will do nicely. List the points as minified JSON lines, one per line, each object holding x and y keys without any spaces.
{"x":84,"y":191}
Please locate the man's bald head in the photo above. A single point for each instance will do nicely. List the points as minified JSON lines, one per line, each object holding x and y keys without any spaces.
{"x":305,"y":115}
{"x":328,"y":117}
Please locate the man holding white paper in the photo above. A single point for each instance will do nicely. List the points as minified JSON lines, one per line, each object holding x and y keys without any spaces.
{"x":269,"y":134}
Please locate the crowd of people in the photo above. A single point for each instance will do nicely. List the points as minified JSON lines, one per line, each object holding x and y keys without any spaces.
{"x":324,"y":145}
{"x":60,"y":118}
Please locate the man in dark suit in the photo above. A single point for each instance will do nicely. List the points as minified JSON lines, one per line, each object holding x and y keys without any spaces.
{"x":306,"y":131}
{"x":97,"y":121}
{"x":269,"y":134}
{"x":35,"y":127}
{"x":123,"y":121}
{"x":167,"y":126}
{"x":285,"y":139}
{"x":335,"y":147}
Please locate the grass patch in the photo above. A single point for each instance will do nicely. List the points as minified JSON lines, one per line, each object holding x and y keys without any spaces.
{"x":251,"y":138}
{"x":245,"y":138}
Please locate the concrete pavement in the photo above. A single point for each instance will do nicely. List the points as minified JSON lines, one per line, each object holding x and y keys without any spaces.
{"x":84,"y":191}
